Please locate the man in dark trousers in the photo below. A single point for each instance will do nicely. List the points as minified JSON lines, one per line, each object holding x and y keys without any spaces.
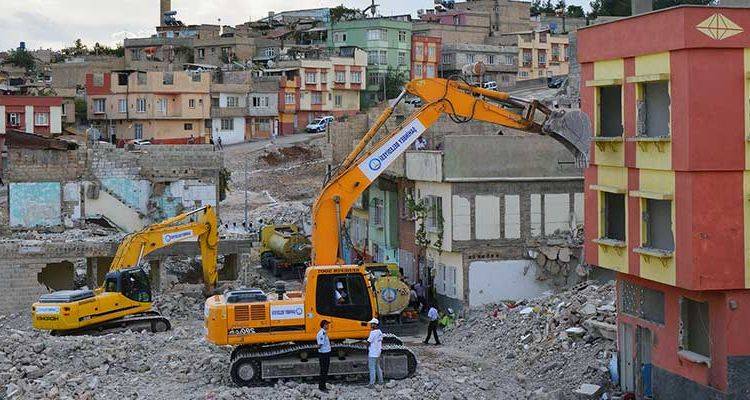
{"x":432,"y":327}
{"x":324,"y":354}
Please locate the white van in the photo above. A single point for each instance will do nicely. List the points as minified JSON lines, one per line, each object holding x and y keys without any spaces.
{"x":491,"y":85}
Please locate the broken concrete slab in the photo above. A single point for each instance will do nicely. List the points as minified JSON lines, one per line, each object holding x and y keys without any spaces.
{"x":601,"y":329}
{"x":588,"y":391}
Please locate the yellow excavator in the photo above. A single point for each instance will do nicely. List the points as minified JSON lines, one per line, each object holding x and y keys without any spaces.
{"x":274,"y":334}
{"x":125,"y":300}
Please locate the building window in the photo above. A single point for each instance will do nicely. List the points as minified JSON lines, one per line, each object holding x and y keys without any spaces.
{"x":317,"y":98}
{"x":41,"y":119}
{"x":227,"y":124}
{"x":191,"y":103}
{"x":509,"y":60}
{"x":431,"y":50}
{"x":401,"y":58}
{"x":356,"y":77}
{"x":641,"y":302}
{"x":470,"y":58}
{"x":542,"y":58}
{"x":694,"y":327}
{"x":196,"y":77}
{"x":188,"y":127}
{"x":418,"y":51}
{"x":161,"y":106}
{"x":377,"y":34}
{"x":610,"y":111}
{"x":372,"y":57}
{"x":523,"y":74}
{"x":376,"y":212}
{"x":135,"y":54}
{"x":417,"y":70}
{"x":201,"y":53}
{"x":288,"y":98}
{"x":526,"y":58}
{"x":138,"y":128}
{"x":98,"y":79}
{"x":310,"y":77}
{"x":555,"y":52}
{"x":614,"y":216}
{"x":140,"y":105}
{"x":122,"y":79}
{"x":447,"y":58}
{"x":142,"y":78}
{"x":233,"y":101}
{"x":657,"y":218}
{"x":490,"y":59}
{"x":340,"y":76}
{"x":434,"y":205}
{"x":269,"y":52}
{"x":339,"y":37}
{"x":456,"y":20}
{"x":99,"y":105}
{"x":382,"y":57}
{"x":260,"y":101}
{"x":338,"y":100}
{"x":122,"y":106}
{"x":543,"y":38}
{"x":402,"y":36}
{"x":430,"y":73}
{"x":168,"y":78}
{"x":15,"y":120}
{"x":215,"y":102}
{"x":323,"y":76}
{"x":653,"y":109}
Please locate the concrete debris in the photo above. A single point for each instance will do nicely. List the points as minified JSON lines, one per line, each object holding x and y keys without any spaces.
{"x":547,"y":339}
{"x":588,"y":391}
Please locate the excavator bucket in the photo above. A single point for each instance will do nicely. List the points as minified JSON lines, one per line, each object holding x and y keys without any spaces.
{"x":572,"y":128}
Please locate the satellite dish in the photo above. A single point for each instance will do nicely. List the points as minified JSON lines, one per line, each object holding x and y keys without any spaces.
{"x":270,"y":63}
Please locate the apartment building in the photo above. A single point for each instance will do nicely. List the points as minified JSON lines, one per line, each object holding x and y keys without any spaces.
{"x":425,"y":57}
{"x":488,"y":200}
{"x":158,"y":53}
{"x":453,"y":27}
{"x":501,"y":62}
{"x":229,"y":108}
{"x":263,"y":107}
{"x":164,"y":107}
{"x":387,"y":43}
{"x":541,"y":54}
{"x":504,"y":15}
{"x":318,"y":85}
{"x":667,"y":195}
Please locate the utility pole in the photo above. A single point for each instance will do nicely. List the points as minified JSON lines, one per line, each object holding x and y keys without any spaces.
{"x":247,"y":223}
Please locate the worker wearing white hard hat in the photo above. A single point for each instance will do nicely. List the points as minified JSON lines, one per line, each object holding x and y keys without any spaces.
{"x":375,"y":341}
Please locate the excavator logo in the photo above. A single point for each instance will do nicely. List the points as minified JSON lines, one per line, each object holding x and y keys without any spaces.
{"x":389,"y":295}
{"x":175,"y":236}
{"x":375,"y":164}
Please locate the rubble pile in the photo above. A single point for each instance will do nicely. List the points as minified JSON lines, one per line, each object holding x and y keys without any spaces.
{"x":279,"y":155}
{"x":184,"y":301}
{"x":552,"y":344}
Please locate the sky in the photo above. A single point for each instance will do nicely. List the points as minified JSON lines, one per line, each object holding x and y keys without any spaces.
{"x":57,"y":23}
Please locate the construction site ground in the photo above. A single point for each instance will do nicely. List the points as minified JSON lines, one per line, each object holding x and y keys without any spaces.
{"x":538,"y":349}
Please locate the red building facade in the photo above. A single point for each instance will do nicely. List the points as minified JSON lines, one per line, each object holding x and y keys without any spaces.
{"x":425,"y":57}
{"x":668,"y":195}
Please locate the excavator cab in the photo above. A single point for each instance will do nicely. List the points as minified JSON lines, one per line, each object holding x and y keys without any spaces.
{"x":133,"y":283}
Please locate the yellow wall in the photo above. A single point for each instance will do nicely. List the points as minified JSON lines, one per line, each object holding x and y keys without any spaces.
{"x":650,"y":64}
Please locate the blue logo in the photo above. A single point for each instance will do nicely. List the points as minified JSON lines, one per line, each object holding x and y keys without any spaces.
{"x":375,"y":164}
{"x":389,"y":295}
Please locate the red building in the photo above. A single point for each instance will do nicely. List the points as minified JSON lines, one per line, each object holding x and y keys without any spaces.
{"x":425,"y":56}
{"x":668,"y":195}
{"x":31,"y":114}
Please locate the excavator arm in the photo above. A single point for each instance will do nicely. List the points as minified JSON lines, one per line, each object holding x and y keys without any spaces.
{"x":462,"y":102}
{"x":200,"y":223}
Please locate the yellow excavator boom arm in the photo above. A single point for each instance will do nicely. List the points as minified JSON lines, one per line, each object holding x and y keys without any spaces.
{"x":200,"y":223}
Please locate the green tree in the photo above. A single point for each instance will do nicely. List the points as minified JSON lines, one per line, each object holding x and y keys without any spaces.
{"x":659,"y":4}
{"x":22,"y":59}
{"x":341,"y":13}
{"x":548,"y":8}
{"x":536,"y":7}
{"x":560,"y":6}
{"x":575,"y":11}
{"x":394,"y":82}
{"x":613,"y":8}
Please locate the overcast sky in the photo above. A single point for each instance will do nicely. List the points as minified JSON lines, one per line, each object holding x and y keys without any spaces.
{"x":57,"y":23}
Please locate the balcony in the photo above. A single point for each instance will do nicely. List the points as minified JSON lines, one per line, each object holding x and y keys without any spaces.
{"x":225,"y":112}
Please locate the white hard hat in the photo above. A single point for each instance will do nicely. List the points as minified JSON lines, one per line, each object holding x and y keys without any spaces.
{"x":374,"y":321}
{"x":339,"y":285}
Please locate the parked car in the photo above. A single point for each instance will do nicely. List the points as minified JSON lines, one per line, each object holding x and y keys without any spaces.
{"x":491,"y":85}
{"x":556,"y":83}
{"x":319,"y":124}
{"x":415,"y":101}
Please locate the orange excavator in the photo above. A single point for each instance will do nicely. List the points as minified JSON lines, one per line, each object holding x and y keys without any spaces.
{"x":274,"y":334}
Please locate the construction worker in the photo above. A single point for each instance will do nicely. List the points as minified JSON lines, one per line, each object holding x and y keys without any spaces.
{"x":324,"y":354}
{"x":375,"y":341}
{"x":340,"y":295}
{"x":432,"y":327}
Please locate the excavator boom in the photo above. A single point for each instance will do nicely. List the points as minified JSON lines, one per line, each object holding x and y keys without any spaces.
{"x":460,"y":101}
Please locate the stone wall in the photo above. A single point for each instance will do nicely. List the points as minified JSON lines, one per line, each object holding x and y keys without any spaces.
{"x":19,"y":287}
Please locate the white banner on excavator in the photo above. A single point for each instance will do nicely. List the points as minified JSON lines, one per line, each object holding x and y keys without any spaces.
{"x":381,"y":158}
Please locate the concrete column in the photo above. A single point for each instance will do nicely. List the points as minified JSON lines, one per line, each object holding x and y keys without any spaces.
{"x":155,"y":275}
{"x":96,"y":270}
{"x":231,"y":267}
{"x":641,"y":6}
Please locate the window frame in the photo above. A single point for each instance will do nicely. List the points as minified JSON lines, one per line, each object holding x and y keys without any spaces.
{"x":140,"y":105}
{"x":122,"y":106}
{"x":102,"y":109}
{"x":45,"y":119}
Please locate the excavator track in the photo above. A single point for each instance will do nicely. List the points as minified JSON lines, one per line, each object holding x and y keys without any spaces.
{"x":255,"y":366}
{"x":150,"y":321}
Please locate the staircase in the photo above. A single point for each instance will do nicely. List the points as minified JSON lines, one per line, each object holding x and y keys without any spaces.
{"x":110,"y":207}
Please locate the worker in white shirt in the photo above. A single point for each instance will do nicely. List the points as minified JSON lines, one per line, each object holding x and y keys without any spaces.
{"x":375,"y":341}
{"x":432,"y":327}
{"x":324,"y":354}
{"x":340,"y":295}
